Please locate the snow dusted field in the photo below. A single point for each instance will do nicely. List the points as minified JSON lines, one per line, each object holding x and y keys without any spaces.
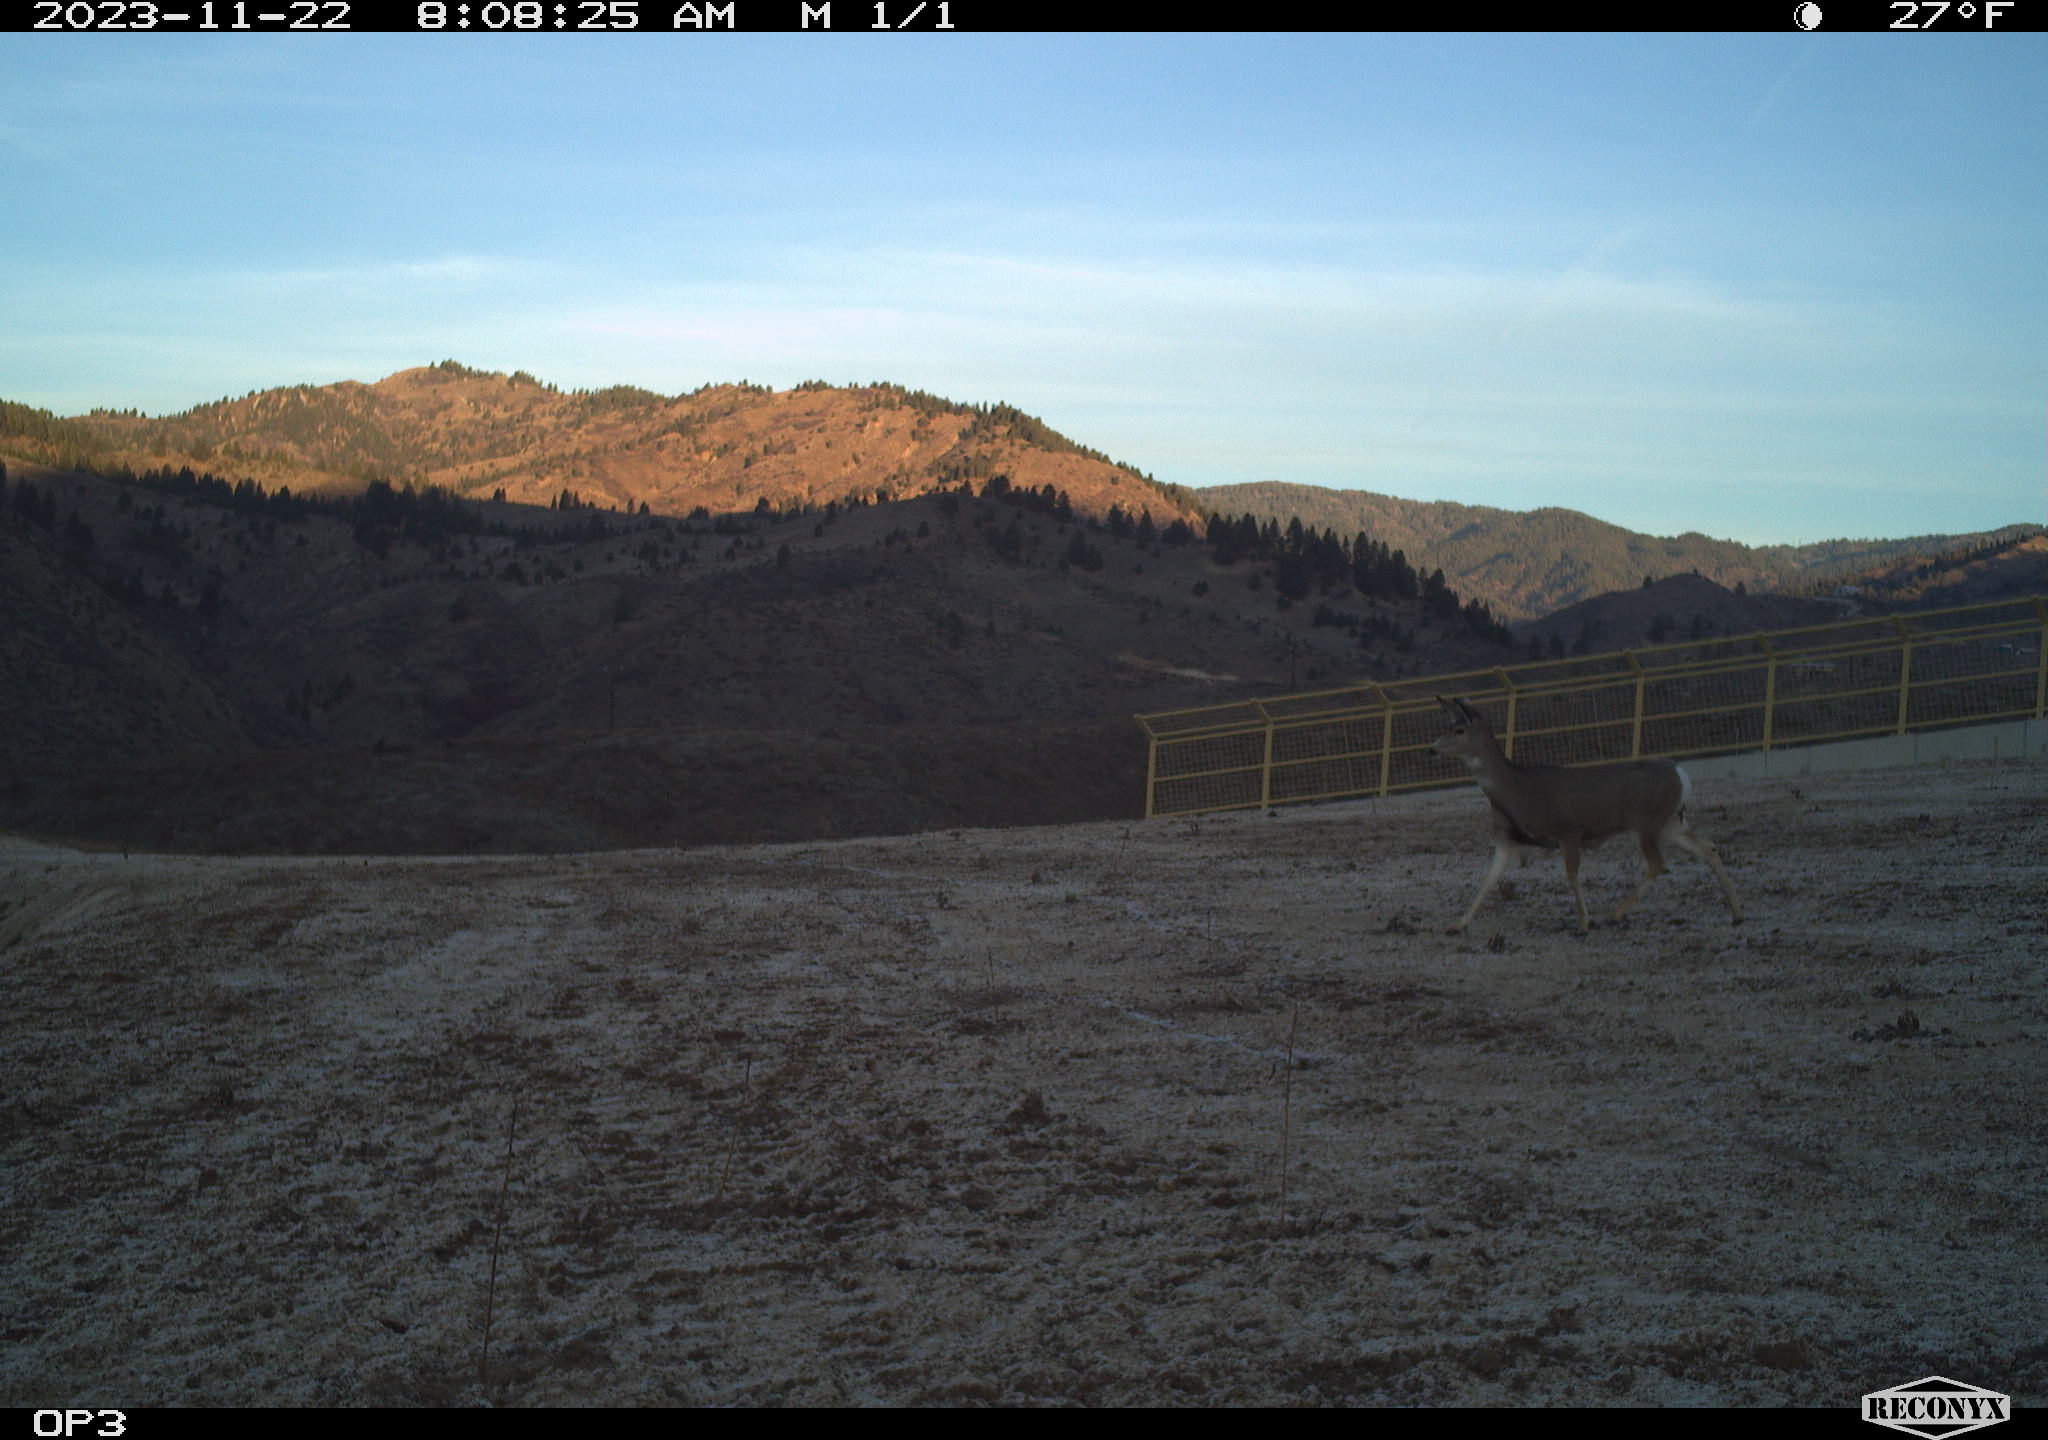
{"x":1005,"y":1117}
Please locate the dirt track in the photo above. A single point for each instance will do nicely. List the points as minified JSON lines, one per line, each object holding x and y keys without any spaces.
{"x":999,"y":1116}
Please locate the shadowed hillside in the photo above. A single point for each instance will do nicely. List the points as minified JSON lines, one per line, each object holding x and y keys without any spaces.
{"x":421,"y":673}
{"x":1679,"y":607}
{"x":87,"y":678}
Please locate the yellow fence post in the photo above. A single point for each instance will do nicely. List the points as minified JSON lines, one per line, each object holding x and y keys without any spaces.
{"x":1386,"y":741}
{"x":1266,"y":764}
{"x":1635,"y":739}
{"x":1905,"y":669}
{"x":1770,"y":689}
{"x":1514,"y":700}
{"x":1151,"y":772}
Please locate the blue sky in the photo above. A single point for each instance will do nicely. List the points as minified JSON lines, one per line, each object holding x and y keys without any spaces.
{"x":1768,"y":287}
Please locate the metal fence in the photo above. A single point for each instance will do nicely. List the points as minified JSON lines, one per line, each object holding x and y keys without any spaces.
{"x":1876,"y":676}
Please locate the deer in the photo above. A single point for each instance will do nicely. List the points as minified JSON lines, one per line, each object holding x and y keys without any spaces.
{"x":1562,"y":807}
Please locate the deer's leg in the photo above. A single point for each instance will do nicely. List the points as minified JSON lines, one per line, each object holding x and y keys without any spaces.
{"x":1504,"y":850}
{"x":1686,"y":838}
{"x":1653,"y":866}
{"x":1570,"y":846}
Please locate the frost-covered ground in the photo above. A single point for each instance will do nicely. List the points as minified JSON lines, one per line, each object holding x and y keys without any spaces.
{"x":1000,"y":1116}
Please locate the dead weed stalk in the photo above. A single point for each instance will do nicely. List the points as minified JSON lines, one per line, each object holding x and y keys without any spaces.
{"x":497,"y":1235}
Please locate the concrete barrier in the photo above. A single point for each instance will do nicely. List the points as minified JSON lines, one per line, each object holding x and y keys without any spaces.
{"x":2001,"y":741}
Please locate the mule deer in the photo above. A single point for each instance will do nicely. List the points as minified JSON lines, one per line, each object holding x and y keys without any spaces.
{"x":1568,"y":807}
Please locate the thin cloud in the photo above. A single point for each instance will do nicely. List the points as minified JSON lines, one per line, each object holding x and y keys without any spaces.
{"x":1009,"y":282}
{"x":1766,"y":108}
{"x":466,"y":272}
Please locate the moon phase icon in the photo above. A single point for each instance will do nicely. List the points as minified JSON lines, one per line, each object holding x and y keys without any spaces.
{"x":1807,"y":16}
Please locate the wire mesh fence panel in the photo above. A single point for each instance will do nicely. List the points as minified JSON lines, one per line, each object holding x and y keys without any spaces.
{"x":1207,"y":718}
{"x":1411,"y":763}
{"x":1207,"y":771}
{"x":1324,"y":779}
{"x":1808,"y":719}
{"x":1961,"y":682}
{"x":1589,"y":743}
{"x":1349,"y":735}
{"x":1190,"y":794}
{"x":1320,"y":759}
{"x":1702,"y":712}
{"x":1707,"y":732}
{"x":1848,"y":680}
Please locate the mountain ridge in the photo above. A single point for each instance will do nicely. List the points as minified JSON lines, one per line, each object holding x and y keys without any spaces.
{"x":721,"y":447}
{"x":391,"y":663}
{"x":1531,"y":563}
{"x":739,"y":446}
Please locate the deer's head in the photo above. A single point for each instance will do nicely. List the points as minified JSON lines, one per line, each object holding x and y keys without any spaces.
{"x":1469,"y":735}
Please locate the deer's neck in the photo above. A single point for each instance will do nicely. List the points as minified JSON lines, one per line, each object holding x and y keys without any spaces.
{"x":1493,"y":770}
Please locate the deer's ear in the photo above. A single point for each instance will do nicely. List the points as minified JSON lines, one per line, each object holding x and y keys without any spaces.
{"x":1466,"y":712}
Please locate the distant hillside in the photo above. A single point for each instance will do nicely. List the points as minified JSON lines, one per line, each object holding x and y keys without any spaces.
{"x":456,"y":610}
{"x":455,"y":674}
{"x":1677,"y":607}
{"x":719,"y":448}
{"x":1999,"y":567}
{"x":742,"y":447}
{"x":84,"y":676}
{"x":1531,"y":563}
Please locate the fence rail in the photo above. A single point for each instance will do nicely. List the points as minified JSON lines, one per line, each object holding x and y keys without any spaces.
{"x":1883,"y":675}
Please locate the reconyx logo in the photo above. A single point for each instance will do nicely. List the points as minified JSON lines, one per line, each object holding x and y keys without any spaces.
{"x":1936,"y":1406}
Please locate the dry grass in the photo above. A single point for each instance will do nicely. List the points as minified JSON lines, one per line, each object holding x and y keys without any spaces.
{"x":989,"y":1117}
